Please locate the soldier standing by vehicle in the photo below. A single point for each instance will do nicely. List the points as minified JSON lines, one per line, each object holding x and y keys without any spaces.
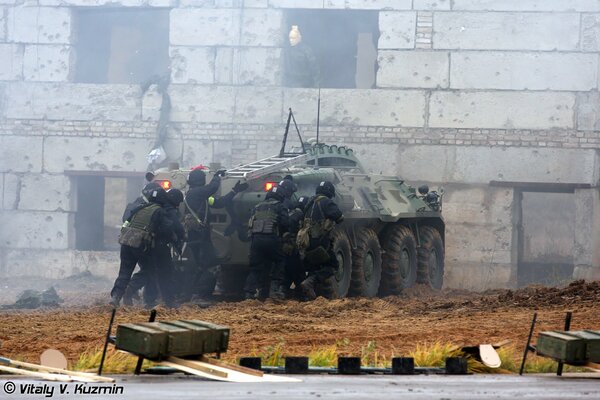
{"x":294,"y":267}
{"x":137,"y":238}
{"x":163,"y":281}
{"x":199,"y":198}
{"x":269,"y":221}
{"x":314,"y":241}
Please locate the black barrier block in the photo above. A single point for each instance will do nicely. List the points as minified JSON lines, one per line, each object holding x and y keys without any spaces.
{"x":349,"y":365}
{"x":296,"y":365}
{"x":251,"y":362}
{"x":403,"y":365}
{"x":456,"y":366}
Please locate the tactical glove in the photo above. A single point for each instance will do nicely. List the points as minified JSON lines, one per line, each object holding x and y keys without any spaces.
{"x":240,"y":187}
{"x":221,"y":172}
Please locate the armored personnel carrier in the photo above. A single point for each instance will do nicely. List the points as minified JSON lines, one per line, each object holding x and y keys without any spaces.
{"x":392,"y":235}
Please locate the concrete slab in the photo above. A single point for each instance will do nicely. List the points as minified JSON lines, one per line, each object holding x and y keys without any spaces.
{"x":526,"y":5}
{"x":258,"y":105}
{"x":586,"y":249}
{"x":196,"y":152}
{"x":11,"y":67}
{"x":483,"y":205}
{"x":504,"y":110}
{"x":372,"y":107}
{"x":95,"y":154}
{"x":20,"y":153}
{"x":26,"y":24}
{"x":222,"y":153}
{"x":588,"y":111}
{"x":47,"y":63}
{"x":202,"y":103}
{"x":413,"y":69}
{"x":523,"y":71}
{"x":42,"y":230}
{"x":65,"y":101}
{"x":477,"y":277}
{"x":506,"y":31}
{"x":257,"y":66}
{"x":304,"y":103}
{"x":95,"y":3}
{"x":43,"y":192}
{"x":431,"y":4}
{"x":194,"y":65}
{"x":58,"y":264}
{"x":10,"y":191}
{"x":498,"y":386}
{"x":473,"y":164}
{"x":262,"y":27}
{"x":397,"y":29}
{"x":370,"y":4}
{"x":204,"y":27}
{"x":590,"y":32}
{"x":296,"y":3}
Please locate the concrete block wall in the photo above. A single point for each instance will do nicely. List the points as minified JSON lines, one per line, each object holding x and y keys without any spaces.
{"x":467,"y":91}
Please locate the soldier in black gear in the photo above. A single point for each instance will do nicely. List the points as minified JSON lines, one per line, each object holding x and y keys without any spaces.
{"x":163,"y":281}
{"x":269,"y":221}
{"x":294,"y":267}
{"x":137,"y":239}
{"x":300,"y":65}
{"x":321,"y":214}
{"x":289,"y":188}
{"x":198,"y":200}
{"x":141,"y":201}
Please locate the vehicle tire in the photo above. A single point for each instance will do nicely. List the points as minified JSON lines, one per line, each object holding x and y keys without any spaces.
{"x":430,"y":266}
{"x":399,"y":263}
{"x":340,"y":282}
{"x":366,"y":264}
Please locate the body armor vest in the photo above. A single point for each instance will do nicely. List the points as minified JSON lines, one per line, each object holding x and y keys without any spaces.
{"x":137,"y":233}
{"x":264,"y":219}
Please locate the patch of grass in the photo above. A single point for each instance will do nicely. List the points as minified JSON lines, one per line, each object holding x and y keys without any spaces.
{"x":323,"y":356}
{"x":433,"y":354}
{"x":115,"y":362}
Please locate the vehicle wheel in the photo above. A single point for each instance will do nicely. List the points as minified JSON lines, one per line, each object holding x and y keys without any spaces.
{"x":343,"y":252}
{"x":366,"y":264}
{"x":399,"y":264}
{"x":430,"y":267}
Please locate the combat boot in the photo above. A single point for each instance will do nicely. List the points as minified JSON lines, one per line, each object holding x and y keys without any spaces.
{"x":308,"y":288}
{"x":115,"y":300}
{"x":277,"y":291}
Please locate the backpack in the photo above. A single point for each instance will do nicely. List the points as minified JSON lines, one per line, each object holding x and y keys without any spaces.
{"x":137,"y":233}
{"x":312,"y":229}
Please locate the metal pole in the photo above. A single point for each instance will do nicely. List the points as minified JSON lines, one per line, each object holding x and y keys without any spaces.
{"x":559,"y":369}
{"x":318,"y":123}
{"x":140,"y":361}
{"x":285,"y":135}
{"x":528,"y":347}
{"x":110,"y":324}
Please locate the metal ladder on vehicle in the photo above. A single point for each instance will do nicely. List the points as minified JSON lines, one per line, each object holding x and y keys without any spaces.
{"x":266,"y":166}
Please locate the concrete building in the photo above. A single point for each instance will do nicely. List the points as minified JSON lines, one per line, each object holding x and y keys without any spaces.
{"x":496,"y":100}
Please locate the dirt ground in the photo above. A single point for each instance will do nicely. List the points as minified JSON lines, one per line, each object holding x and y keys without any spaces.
{"x":396,"y":324}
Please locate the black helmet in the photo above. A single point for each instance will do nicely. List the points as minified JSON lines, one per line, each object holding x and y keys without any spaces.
{"x":326,"y":188}
{"x":302,"y":202}
{"x":197,"y":177}
{"x":155,"y":193}
{"x":275,"y":193}
{"x":148,"y":189}
{"x":175,"y":197}
{"x":288,"y":186}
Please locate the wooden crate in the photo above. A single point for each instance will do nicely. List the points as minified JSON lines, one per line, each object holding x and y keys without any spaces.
{"x":204,"y":339}
{"x":562,"y":346}
{"x":148,"y":341}
{"x":592,"y":344}
{"x":219,"y":341}
{"x":159,"y":340}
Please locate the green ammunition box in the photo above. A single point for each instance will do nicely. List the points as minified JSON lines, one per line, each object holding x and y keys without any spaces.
{"x":562,"y":346}
{"x":180,"y":339}
{"x":147,"y":341}
{"x":218,"y":341}
{"x":158,"y":340}
{"x":592,"y":344}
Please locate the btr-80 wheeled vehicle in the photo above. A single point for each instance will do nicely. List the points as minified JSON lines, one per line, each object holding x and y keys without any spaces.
{"x":391,"y":237}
